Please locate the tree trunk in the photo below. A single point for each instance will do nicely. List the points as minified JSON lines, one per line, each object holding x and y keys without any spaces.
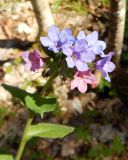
{"x":43,"y":14}
{"x":116,"y":28}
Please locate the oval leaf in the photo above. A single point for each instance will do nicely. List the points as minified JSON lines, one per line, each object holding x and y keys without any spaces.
{"x":16,"y":92}
{"x":34,"y":102}
{"x":6,"y":157}
{"x":47,"y":130}
{"x":40,"y":109}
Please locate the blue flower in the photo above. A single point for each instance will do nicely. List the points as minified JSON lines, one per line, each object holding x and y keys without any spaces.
{"x":56,"y":38}
{"x":106,"y":66}
{"x":78,"y":55}
{"x":94,"y":44}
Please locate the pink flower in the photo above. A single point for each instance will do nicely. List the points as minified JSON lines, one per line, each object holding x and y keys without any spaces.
{"x":81,"y":79}
{"x":33,"y":60}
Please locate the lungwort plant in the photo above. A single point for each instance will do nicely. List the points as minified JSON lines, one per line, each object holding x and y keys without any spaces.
{"x":75,"y":58}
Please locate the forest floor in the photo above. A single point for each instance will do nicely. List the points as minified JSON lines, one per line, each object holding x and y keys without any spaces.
{"x":100,"y":116}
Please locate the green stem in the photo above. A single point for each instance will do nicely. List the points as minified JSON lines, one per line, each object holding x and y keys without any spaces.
{"x":23,"y":140}
{"x":29,"y":121}
{"x":49,"y":82}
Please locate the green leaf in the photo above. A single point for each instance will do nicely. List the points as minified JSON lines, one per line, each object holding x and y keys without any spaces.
{"x":44,"y":107}
{"x":16,"y":92}
{"x":34,"y":102}
{"x":47,"y":130}
{"x":6,"y":157}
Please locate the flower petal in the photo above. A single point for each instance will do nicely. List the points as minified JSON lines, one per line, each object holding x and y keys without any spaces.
{"x":25,"y":56}
{"x":70,"y":62}
{"x":109,"y":66}
{"x":81,"y":66}
{"x":106,"y":76}
{"x":46,"y":42}
{"x":65,"y":35}
{"x":67,"y":49}
{"x":41,"y":63}
{"x":74,"y":83}
{"x":100,"y":64}
{"x":56,"y":49}
{"x":101,"y":43}
{"x":99,"y":47}
{"x":79,"y":83}
{"x":92,"y":38}
{"x":87,"y":56}
{"x":110,"y":55}
{"x":82,"y":85}
{"x":35,"y":60}
{"x":90,"y":79}
{"x":27,"y":66}
{"x":81,"y":35}
{"x":53,"y":33}
{"x":81,"y":46}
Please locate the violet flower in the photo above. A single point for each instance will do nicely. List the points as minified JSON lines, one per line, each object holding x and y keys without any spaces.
{"x":78,"y":55}
{"x":94,"y":44}
{"x":56,"y":38}
{"x":81,"y":79}
{"x":106,"y":66}
{"x":33,"y":60}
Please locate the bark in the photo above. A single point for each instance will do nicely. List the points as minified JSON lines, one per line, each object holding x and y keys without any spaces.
{"x":43,"y":14}
{"x":116,"y":28}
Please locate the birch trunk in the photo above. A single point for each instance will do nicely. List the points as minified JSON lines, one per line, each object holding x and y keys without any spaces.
{"x":43,"y":14}
{"x":116,"y":28}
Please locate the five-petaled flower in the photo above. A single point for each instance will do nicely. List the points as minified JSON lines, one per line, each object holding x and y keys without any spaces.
{"x":106,"y":66}
{"x":33,"y":60}
{"x":78,"y":55}
{"x":94,"y":44}
{"x":81,"y":79}
{"x":56,"y":38}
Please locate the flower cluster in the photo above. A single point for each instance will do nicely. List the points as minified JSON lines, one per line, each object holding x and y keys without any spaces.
{"x":83,"y":54}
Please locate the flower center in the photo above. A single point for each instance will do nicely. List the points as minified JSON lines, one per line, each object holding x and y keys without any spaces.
{"x":75,"y":56}
{"x":59,"y":44}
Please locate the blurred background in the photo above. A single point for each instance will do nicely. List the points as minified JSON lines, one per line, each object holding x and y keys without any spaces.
{"x":101,"y":115}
